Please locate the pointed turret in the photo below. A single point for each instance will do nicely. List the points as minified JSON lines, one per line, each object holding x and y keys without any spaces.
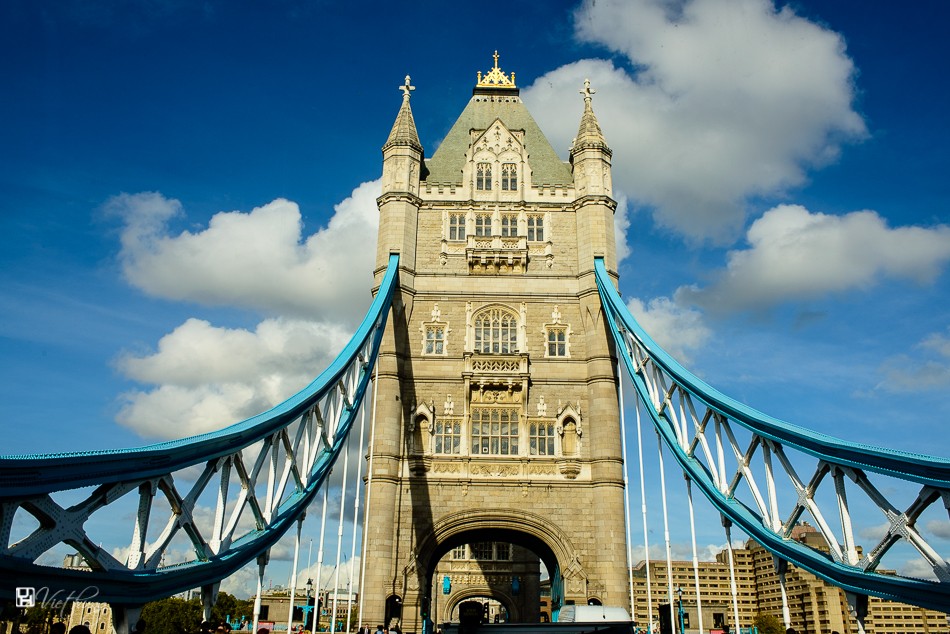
{"x":590,"y":161}
{"x":399,"y":203}
{"x":404,"y":129}
{"x":589,"y":134}
{"x":590,"y":155}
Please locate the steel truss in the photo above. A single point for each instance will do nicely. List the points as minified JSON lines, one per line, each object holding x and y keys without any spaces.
{"x":294,"y":446}
{"x":699,"y":426}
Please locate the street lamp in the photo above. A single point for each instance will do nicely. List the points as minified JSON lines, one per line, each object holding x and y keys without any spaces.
{"x":679,"y":592}
{"x":308,"y":608}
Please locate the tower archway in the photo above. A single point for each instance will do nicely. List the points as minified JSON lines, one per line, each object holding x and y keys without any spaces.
{"x":522,"y":528}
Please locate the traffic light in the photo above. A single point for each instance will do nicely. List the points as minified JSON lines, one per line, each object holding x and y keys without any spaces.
{"x":425,"y":607}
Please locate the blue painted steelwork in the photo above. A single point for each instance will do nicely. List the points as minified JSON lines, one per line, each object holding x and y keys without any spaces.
{"x":658,"y":379}
{"x":27,"y":481}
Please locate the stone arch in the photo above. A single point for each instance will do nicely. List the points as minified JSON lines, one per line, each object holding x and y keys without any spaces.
{"x":534,"y":532}
{"x":470,"y":593}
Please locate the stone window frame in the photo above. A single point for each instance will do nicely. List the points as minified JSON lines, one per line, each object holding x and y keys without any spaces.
{"x":508,"y":326}
{"x":551,"y":449}
{"x":536,"y":225}
{"x":433,"y":325}
{"x":453,"y":436}
{"x":512,"y":437}
{"x":483,"y":176}
{"x":555,"y":326}
{"x":521,"y":320}
{"x":509,"y":177}
{"x":509,"y":225}
{"x":483,"y":224}
{"x":457,"y":227}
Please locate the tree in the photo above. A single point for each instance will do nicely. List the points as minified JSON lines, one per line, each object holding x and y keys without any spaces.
{"x":228,"y":605}
{"x":172,"y":616}
{"x":768,"y":624}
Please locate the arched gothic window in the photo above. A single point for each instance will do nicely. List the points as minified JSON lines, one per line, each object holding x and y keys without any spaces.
{"x":496,"y":332}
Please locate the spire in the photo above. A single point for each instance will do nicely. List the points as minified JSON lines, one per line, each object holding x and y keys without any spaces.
{"x":589,"y":134}
{"x":404,"y":130}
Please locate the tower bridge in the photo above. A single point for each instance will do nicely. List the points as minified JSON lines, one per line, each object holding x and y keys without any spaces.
{"x":489,"y":379}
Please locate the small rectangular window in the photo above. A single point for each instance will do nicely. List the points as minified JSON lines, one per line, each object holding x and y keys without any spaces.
{"x":456,"y":226}
{"x":557,"y":343}
{"x":509,"y":226}
{"x":448,"y":437}
{"x":482,"y":225}
{"x":542,"y":439}
{"x":509,"y":177}
{"x":435,"y":340}
{"x":495,"y":431}
{"x":535,"y":228}
{"x":483,"y":176}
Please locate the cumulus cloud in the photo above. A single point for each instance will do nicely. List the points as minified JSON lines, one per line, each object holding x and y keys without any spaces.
{"x":906,"y":374}
{"x":728,"y":100}
{"x":258,"y":260}
{"x":208,"y":377}
{"x":621,"y":224}
{"x":918,"y":568}
{"x":675,"y":328}
{"x":682,"y":551}
{"x":940,"y":528}
{"x":798,"y":255}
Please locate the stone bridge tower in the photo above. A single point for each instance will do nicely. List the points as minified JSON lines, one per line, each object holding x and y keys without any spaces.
{"x":497,"y":416}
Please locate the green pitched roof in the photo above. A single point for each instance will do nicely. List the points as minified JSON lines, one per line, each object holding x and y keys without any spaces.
{"x":446,"y":164}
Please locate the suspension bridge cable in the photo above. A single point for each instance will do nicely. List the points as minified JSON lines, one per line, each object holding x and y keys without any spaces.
{"x":293,"y":574}
{"x":643,"y":508}
{"x":339,"y":536}
{"x":626,"y":488}
{"x":727,"y":524}
{"x":692,"y":527}
{"x":323,"y":532}
{"x":356,"y":514}
{"x":369,"y":489}
{"x":261,"y":565}
{"x":666,"y":536}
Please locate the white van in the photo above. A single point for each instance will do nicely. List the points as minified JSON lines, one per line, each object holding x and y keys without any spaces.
{"x":591,"y":614}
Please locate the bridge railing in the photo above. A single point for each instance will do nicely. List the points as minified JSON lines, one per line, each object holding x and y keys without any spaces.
{"x":292,"y":447}
{"x":701,"y":428}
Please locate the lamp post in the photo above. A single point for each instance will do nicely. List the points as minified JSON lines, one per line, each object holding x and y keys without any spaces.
{"x":307,"y":610}
{"x":679,"y":592}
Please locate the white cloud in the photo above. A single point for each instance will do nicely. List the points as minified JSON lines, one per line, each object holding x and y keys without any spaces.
{"x":874,"y":534}
{"x":682,"y":551}
{"x":940,"y":528}
{"x":675,"y":328}
{"x":904,"y":374}
{"x":207,"y":377}
{"x":621,"y":224}
{"x":917,"y":568}
{"x":799,"y":255}
{"x":258,"y":260}
{"x":729,"y":100}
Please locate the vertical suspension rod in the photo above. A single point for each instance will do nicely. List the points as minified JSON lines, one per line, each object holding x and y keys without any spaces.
{"x":626,"y":489}
{"x":646,"y":544}
{"x":293,"y":575}
{"x":323,"y":532}
{"x":727,"y":523}
{"x":339,"y":535}
{"x":692,"y":528}
{"x":666,"y":536}
{"x":356,"y":515}
{"x":369,"y":489}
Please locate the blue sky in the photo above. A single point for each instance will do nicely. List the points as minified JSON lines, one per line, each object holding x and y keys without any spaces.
{"x":745,"y":138}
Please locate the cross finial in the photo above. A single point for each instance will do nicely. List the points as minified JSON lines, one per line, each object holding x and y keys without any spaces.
{"x":406,"y":88}
{"x":496,"y":59}
{"x":587,"y":92}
